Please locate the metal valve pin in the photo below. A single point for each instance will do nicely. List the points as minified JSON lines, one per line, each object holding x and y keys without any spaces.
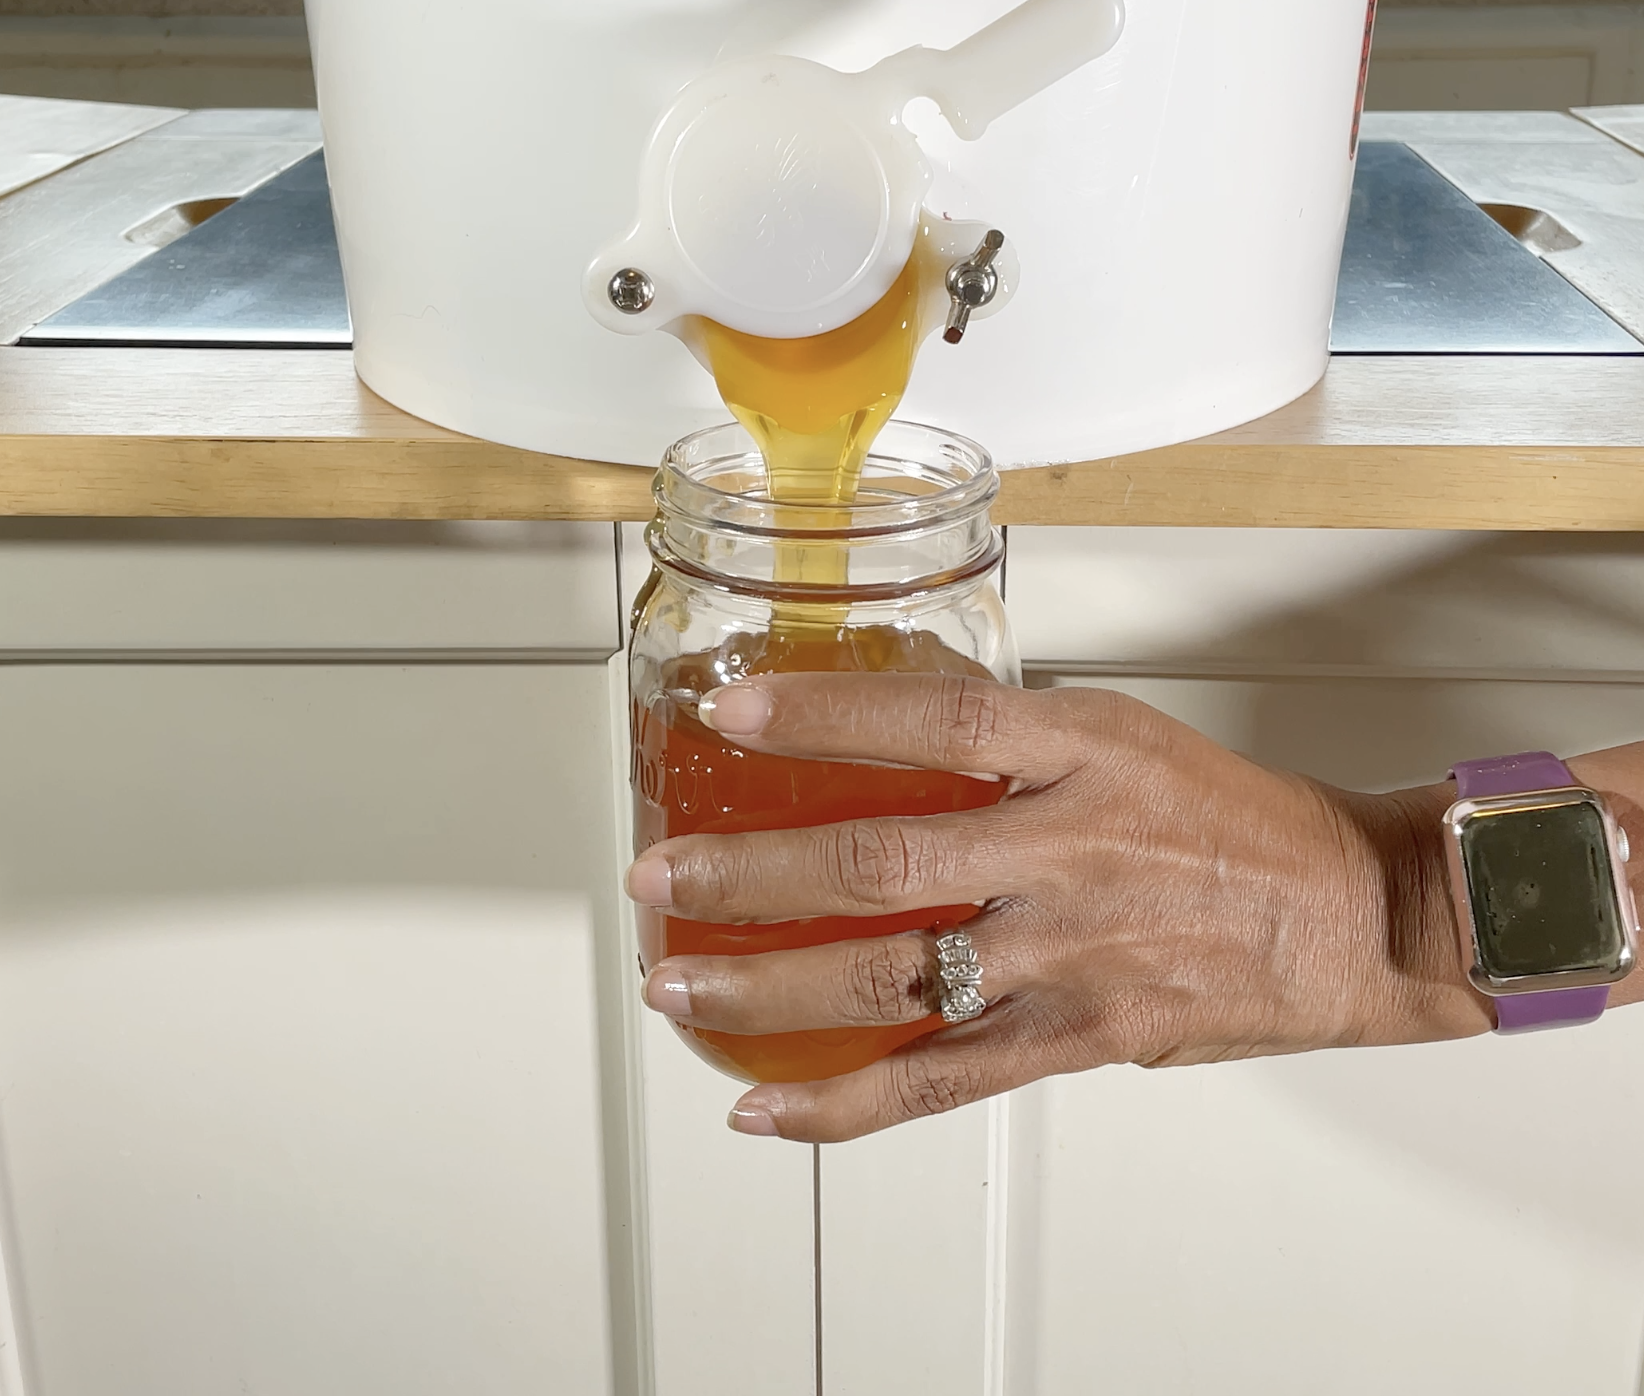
{"x":631,"y":291}
{"x":972,"y":284}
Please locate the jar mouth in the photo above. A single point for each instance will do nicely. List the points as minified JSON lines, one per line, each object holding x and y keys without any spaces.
{"x":978,"y":566}
{"x":916,"y":477}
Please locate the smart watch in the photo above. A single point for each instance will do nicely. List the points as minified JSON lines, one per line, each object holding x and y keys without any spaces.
{"x":1538,"y":872}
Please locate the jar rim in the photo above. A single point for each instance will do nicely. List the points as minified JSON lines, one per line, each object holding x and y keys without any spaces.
{"x":960,"y":475}
{"x":982,"y":564}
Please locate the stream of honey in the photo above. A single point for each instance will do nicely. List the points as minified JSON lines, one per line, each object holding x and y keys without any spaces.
{"x":814,"y":407}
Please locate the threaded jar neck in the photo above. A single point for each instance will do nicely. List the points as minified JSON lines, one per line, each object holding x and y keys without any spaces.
{"x":920,"y":521}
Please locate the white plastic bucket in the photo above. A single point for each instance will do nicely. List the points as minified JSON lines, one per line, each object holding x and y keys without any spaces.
{"x":1178,"y":207}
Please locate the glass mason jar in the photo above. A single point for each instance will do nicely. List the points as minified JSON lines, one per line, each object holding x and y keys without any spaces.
{"x":900,"y":581}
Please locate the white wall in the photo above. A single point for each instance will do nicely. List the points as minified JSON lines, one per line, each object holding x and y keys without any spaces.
{"x":1430,"y":56}
{"x":1507,"y":57}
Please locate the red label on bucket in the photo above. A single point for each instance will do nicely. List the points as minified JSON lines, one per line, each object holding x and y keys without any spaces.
{"x":1364,"y":78}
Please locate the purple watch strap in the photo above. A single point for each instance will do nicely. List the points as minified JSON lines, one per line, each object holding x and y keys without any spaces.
{"x":1552,"y":1008}
{"x":1512,"y":775}
{"x":1517,"y":775}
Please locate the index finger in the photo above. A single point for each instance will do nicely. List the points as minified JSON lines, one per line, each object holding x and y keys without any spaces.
{"x":935,"y":721}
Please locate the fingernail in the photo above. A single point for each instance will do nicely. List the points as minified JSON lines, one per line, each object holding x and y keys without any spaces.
{"x":668,"y":993}
{"x":650,"y":882}
{"x":740,"y":711}
{"x":753,"y":1113}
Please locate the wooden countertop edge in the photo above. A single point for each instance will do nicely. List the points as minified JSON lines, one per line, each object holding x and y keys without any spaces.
{"x":1219,"y":484}
{"x":1446,"y":442}
{"x":1210,"y":483}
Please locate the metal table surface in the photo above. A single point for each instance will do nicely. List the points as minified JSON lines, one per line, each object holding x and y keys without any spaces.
{"x":263,"y":272}
{"x":1426,"y":270}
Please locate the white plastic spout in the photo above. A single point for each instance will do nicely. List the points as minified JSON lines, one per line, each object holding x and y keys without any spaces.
{"x":1016,"y":57}
{"x":782,"y":198}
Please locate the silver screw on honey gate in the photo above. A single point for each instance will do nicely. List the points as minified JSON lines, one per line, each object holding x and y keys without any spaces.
{"x":972,"y":284}
{"x":631,"y":291}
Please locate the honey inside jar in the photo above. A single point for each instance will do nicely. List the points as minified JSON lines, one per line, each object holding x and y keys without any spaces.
{"x":690,"y":780}
{"x":814,"y":408}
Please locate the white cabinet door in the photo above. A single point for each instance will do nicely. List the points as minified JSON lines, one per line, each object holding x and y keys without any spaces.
{"x":302,"y":971}
{"x":733,"y":1224}
{"x":908,"y":1263}
{"x":370,"y":589}
{"x":1425,"y":1220}
{"x":322,"y":1065}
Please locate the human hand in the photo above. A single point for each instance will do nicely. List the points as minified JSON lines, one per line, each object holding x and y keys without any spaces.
{"x":1150,"y":898}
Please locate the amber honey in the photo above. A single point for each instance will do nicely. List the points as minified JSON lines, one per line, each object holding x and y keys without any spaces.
{"x":813,"y":407}
{"x":689,"y":780}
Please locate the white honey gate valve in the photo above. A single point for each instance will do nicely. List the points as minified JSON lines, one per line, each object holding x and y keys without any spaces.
{"x":782,"y":198}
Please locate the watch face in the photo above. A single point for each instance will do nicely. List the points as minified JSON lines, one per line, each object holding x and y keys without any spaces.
{"x":1542,"y":891}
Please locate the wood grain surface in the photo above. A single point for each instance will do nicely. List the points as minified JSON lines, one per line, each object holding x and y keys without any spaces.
{"x":1382,"y":442}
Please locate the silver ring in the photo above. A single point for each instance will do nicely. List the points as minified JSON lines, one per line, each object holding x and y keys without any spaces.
{"x":961,"y":979}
